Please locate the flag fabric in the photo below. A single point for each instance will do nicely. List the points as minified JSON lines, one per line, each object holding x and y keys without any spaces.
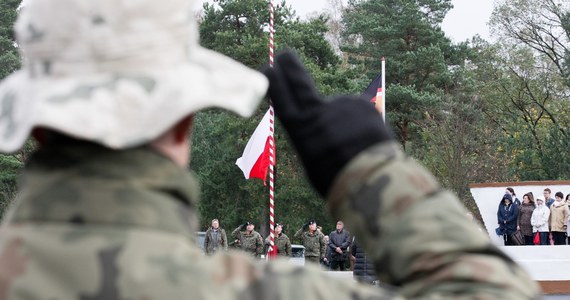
{"x":256,"y":156}
{"x":374,"y":93}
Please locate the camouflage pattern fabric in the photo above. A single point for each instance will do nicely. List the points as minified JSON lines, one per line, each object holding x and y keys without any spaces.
{"x":92,"y":223}
{"x":314,"y":243}
{"x":416,"y":232}
{"x":252,"y":243}
{"x":222,"y":241}
{"x":91,"y":86}
{"x":313,"y":259}
{"x":283,"y":245}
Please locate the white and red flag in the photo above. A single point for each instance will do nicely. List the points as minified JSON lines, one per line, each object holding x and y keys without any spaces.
{"x":259,"y":152}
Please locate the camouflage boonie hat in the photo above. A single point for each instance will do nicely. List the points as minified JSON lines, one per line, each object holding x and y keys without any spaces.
{"x":116,"y":72}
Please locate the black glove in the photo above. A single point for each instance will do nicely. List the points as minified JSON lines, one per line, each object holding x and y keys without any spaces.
{"x":305,"y":226}
{"x":328,"y":134}
{"x":243,"y":226}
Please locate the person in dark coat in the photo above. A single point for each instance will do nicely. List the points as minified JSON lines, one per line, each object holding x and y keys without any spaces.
{"x":516,"y":200}
{"x":507,"y":217}
{"x":363,"y":266}
{"x":339,"y":241}
{"x":524,"y":216}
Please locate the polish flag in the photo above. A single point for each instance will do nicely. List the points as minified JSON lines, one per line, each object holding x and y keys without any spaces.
{"x":258,"y":152}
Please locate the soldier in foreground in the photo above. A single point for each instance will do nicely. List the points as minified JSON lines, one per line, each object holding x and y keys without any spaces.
{"x":107,"y":210}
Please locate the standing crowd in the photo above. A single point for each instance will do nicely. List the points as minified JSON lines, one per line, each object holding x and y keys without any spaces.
{"x":337,"y":251}
{"x":534,"y":221}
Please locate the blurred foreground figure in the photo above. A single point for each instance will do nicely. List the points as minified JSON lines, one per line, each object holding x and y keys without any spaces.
{"x":106,"y":209}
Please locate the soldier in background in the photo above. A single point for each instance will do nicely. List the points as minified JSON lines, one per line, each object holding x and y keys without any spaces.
{"x":107,"y":210}
{"x":215,"y":238}
{"x":281,"y":241}
{"x":248,"y":239}
{"x":313,"y":240}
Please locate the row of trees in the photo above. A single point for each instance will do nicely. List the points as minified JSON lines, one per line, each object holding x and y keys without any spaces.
{"x":477,"y":111}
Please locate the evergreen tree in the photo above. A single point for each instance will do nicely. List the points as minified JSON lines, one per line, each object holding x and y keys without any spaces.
{"x":9,"y":62}
{"x":419,"y":55}
{"x":239,"y":29}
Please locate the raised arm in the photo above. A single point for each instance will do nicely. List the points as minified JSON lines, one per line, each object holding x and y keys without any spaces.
{"x":413,"y":229}
{"x":299,"y":233}
{"x":236,"y":234}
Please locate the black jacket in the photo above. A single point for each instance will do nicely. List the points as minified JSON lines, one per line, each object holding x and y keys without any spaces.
{"x":363,"y":267}
{"x":339,"y":239}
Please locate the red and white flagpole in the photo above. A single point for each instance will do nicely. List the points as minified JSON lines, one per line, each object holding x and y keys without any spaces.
{"x":383,"y":90}
{"x":272,"y":251}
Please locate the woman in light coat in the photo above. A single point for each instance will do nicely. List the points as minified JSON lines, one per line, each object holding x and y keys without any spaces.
{"x":558,"y":219}
{"x":539,"y":220}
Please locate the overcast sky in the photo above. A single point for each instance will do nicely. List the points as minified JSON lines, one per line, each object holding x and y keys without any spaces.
{"x":467,"y":18}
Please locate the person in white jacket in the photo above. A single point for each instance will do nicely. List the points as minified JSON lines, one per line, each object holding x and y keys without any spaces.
{"x":539,"y":220}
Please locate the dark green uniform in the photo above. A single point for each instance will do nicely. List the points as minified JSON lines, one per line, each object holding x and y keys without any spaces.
{"x":105,"y":225}
{"x":283,"y":245}
{"x":252,"y":243}
{"x":314,"y":244}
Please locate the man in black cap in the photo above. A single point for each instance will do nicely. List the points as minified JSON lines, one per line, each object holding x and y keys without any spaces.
{"x":313,"y":240}
{"x":281,"y":241}
{"x":248,"y":239}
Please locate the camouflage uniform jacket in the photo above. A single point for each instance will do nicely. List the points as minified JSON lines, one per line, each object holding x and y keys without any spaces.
{"x":283,"y":245}
{"x":252,"y":243}
{"x":314,"y":243}
{"x":92,"y":223}
{"x":222,"y":241}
